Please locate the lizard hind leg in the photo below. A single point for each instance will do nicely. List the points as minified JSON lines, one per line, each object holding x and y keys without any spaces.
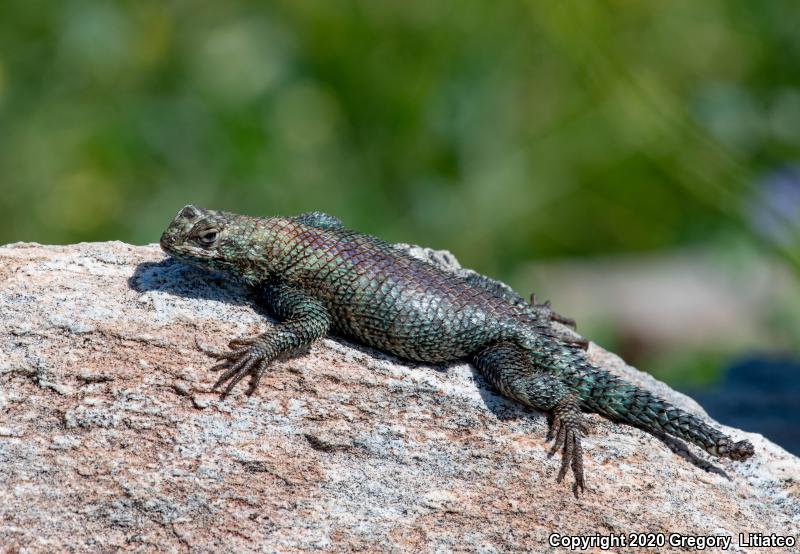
{"x":510,"y":370}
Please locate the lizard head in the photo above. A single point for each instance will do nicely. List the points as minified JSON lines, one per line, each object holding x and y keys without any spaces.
{"x":204,"y":238}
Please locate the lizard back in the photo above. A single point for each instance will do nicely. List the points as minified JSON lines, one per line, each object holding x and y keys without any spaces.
{"x":386,"y":298}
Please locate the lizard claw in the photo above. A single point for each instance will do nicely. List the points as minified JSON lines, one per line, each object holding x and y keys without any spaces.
{"x":247,"y":356}
{"x":566,"y":430}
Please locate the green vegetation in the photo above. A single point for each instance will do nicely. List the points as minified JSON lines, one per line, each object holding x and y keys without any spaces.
{"x":504,"y":131}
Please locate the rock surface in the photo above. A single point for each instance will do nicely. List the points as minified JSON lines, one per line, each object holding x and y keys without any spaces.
{"x":111,"y":438}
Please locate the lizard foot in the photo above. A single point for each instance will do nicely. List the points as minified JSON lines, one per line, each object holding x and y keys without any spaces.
{"x":246,"y":356}
{"x":580,"y":342}
{"x":566,"y":428}
{"x":546,"y":311}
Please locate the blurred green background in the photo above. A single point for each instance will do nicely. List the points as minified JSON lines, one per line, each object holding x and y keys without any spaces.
{"x":636,"y":161}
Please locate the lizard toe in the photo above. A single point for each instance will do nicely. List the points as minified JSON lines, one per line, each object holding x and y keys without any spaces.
{"x":247,"y":356}
{"x":236,"y":373}
{"x":567,"y":428}
{"x":242,"y":341}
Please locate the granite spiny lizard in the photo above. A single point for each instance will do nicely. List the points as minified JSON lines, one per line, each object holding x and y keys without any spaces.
{"x":317,"y":276}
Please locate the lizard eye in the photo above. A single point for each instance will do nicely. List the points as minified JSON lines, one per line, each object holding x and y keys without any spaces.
{"x":208,"y":237}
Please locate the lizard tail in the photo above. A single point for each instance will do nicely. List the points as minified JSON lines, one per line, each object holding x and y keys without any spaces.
{"x":619,"y":400}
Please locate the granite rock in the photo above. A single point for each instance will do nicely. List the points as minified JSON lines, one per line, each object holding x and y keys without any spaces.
{"x":111,"y":438}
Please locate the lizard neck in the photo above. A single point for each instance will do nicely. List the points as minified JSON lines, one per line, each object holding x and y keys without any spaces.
{"x":272,"y":247}
{"x":247,"y":253}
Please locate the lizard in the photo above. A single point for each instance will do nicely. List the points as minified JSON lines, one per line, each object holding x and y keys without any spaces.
{"x":319,"y":277}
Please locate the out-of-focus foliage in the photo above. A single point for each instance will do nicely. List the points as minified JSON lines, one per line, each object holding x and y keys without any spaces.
{"x":501,"y":130}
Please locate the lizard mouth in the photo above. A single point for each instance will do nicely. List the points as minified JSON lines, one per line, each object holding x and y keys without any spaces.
{"x":167,"y":242}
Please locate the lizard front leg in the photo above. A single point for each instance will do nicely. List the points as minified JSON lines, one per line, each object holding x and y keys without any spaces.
{"x":511,"y":371}
{"x":305,"y":320}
